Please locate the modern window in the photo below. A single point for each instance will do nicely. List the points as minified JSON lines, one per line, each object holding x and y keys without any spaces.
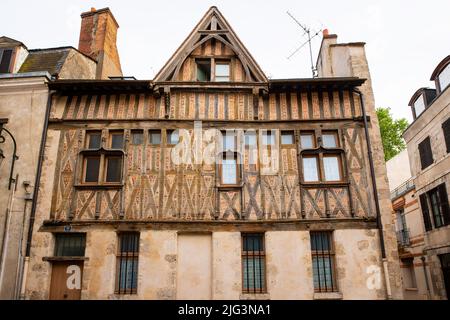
{"x":5,"y":60}
{"x":222,"y":71}
{"x":325,"y":164}
{"x":435,"y":208}
{"x":154,"y":137}
{"x":173,"y":137}
{"x":102,"y":166}
{"x":444,"y":78}
{"x":229,"y":170}
{"x":425,"y":153}
{"x":70,"y":244}
{"x":323,"y":260}
{"x":203,"y":69}
{"x":287,"y":138}
{"x":137,"y":137}
{"x":446,"y":130}
{"x":127,"y":263}
{"x":253,"y":264}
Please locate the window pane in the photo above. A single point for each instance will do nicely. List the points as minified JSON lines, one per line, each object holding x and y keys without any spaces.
{"x":203,"y":70}
{"x":320,"y":241}
{"x":331,"y":168}
{"x":173,"y":137}
{"x":117,"y":141}
{"x":229,"y":141}
{"x":307,"y":141}
{"x":114,"y":169}
{"x":155,"y":137}
{"x":419,"y":106}
{"x":128,"y":273}
{"x":137,"y":137}
{"x":268,"y":138}
{"x":253,"y":242}
{"x":5,"y":61}
{"x":436,"y":209}
{"x":94,"y":140}
{"x":310,"y":171}
{"x":444,"y":78}
{"x":287,"y":138}
{"x":254,"y":273}
{"x":70,"y":245}
{"x":329,"y":140}
{"x":250,"y":138}
{"x":222,"y":72}
{"x":322,"y":273}
{"x":92,"y":169}
{"x":229,"y":171}
{"x":129,"y":242}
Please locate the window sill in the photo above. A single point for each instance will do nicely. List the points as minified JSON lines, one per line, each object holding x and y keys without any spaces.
{"x":328,"y":296}
{"x":254,"y":296}
{"x":99,"y":186}
{"x":325,"y":184}
{"x":56,"y":259}
{"x":412,"y":289}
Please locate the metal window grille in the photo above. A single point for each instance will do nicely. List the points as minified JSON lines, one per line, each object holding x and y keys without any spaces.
{"x":253,"y":263}
{"x":70,"y":245}
{"x":127,"y":263}
{"x":323,"y":262}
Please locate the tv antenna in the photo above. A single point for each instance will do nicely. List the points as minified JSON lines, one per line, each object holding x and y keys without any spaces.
{"x":311,"y":34}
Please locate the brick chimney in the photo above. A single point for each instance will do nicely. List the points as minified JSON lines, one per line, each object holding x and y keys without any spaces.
{"x":98,"y":36}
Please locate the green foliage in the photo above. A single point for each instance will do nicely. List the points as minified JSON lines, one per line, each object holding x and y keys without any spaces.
{"x":391,"y":133}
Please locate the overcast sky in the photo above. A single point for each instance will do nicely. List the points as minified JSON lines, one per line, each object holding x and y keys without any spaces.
{"x":405,"y":39}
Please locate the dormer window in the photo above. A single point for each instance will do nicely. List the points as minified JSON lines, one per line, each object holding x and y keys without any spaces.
{"x":444,"y":78}
{"x":419,"y":106}
{"x":222,"y":71}
{"x":5,"y":60}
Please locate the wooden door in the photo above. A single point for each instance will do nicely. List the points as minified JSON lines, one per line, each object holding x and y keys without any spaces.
{"x":66,"y":280}
{"x":194,"y":267}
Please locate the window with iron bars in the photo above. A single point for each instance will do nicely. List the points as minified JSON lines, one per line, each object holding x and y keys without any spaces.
{"x":323,"y":260}
{"x":253,"y":264}
{"x":127,"y":263}
{"x":70,"y":244}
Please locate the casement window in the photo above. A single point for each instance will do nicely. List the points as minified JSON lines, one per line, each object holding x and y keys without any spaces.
{"x":435,"y":208}
{"x":137,"y":137}
{"x":446,"y":130}
{"x":70,"y":244}
{"x":250,"y":139}
{"x":229,"y":140}
{"x":206,"y":66}
{"x":268,"y":138}
{"x":102,"y":166}
{"x":325,"y":164}
{"x":173,"y":137}
{"x":127,"y":263}
{"x":253,"y":264}
{"x":425,"y":153}
{"x":229,"y":170}
{"x":323,"y":262}
{"x":287,"y":138}
{"x":5,"y":60}
{"x":154,"y":137}
{"x":222,"y":71}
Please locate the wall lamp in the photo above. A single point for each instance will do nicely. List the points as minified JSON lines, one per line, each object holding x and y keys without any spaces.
{"x":4,"y":121}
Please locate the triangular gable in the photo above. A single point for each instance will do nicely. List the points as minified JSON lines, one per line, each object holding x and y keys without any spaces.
{"x":213,"y":25}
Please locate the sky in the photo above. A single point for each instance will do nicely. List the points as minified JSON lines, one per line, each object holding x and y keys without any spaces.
{"x":405,"y":40}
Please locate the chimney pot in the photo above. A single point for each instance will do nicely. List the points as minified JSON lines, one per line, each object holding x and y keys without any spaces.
{"x":325,"y":32}
{"x":93,"y":9}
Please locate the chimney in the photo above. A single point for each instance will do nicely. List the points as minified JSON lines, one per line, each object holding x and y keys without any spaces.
{"x":98,"y":36}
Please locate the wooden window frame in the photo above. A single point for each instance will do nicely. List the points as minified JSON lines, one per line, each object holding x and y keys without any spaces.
{"x":216,"y":62}
{"x":308,"y":133}
{"x":425,"y":144}
{"x":111,"y":133}
{"x":226,"y":156}
{"x":99,"y":175}
{"x":225,"y":133}
{"x":126,"y":255}
{"x":253,"y":133}
{"x":71,"y":236}
{"x":260,"y":255}
{"x":334,"y":133}
{"x":106,"y":166}
{"x":150,"y":143}
{"x":137,"y":131}
{"x":287,"y":145}
{"x":340,"y":167}
{"x":331,"y":254}
{"x":88,"y":139}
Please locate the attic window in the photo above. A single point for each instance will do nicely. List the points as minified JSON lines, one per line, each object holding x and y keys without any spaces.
{"x":444,"y":78}
{"x":5,"y":60}
{"x":222,"y":71}
{"x":203,"y":69}
{"x":419,"y":106}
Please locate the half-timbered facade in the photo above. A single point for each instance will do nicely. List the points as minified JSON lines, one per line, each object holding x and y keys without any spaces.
{"x":209,"y":182}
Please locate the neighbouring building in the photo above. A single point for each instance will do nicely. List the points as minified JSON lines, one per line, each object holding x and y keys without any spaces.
{"x":213,"y":182}
{"x":410,"y":229}
{"x":428,"y":142}
{"x":24,"y":109}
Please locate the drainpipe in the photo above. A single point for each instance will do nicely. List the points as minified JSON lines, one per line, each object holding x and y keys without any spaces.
{"x":375,"y":192}
{"x":22,"y":283}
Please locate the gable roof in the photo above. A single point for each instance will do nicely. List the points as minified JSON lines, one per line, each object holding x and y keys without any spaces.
{"x":213,"y":25}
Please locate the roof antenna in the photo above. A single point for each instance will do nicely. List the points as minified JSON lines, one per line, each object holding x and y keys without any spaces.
{"x":308,"y":32}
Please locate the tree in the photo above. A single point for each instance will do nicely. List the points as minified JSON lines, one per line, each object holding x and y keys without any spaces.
{"x":391,"y":133}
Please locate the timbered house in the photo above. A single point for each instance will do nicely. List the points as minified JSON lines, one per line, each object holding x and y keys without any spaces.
{"x":213,"y":182}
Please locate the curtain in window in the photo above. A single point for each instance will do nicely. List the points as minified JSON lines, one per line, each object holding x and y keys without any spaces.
{"x":229,"y":172}
{"x":331,"y":168}
{"x":310,"y":169}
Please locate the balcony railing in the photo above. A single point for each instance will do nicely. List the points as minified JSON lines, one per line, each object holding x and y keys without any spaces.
{"x":403,"y":189}
{"x":403,"y":238}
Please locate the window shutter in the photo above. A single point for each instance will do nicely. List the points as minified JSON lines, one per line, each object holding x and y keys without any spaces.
{"x":425,"y":212}
{"x":426,"y":155}
{"x":444,"y":203}
{"x":5,"y":61}
{"x":446,"y":128}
